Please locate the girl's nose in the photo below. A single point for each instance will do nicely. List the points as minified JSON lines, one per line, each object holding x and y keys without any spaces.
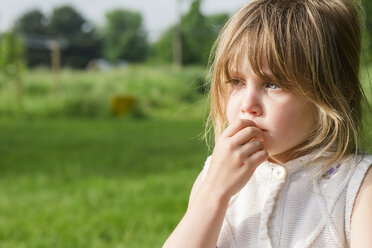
{"x":250,"y":104}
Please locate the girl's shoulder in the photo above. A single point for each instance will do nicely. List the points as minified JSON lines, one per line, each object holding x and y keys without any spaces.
{"x":361,"y":211}
{"x":351,"y":169}
{"x":359,"y":166}
{"x":359,"y":171}
{"x":364,"y":158}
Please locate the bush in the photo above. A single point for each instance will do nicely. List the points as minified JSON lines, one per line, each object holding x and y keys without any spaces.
{"x":157,"y":89}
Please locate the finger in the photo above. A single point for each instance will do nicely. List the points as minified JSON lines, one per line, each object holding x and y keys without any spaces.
{"x":250,"y":148}
{"x":254,"y":161}
{"x":246,"y":135}
{"x":258,"y":157}
{"x":236,"y":126}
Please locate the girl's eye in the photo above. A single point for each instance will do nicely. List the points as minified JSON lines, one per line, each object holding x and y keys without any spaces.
{"x":272,"y":86}
{"x":237,"y":82}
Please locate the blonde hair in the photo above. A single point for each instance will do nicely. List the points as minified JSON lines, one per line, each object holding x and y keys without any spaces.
{"x":311,"y":47}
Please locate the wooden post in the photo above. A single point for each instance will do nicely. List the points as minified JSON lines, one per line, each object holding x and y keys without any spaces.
{"x":55,"y":61}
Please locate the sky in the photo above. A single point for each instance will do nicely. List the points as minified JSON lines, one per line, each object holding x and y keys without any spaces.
{"x":157,"y":15}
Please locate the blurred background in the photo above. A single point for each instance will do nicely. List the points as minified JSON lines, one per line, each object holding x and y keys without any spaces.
{"x":102,"y":111}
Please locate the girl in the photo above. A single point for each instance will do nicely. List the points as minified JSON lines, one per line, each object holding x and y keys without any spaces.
{"x":286,"y":108}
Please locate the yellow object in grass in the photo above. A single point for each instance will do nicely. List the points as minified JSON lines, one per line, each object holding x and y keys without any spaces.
{"x":122,"y":104}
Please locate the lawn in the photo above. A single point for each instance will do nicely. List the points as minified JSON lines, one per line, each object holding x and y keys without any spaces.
{"x":102,"y":183}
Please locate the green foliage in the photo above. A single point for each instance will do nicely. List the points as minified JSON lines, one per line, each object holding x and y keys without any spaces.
{"x":33,"y":23}
{"x":217,"y":21}
{"x":82,"y":41}
{"x":198,"y":33}
{"x":11,"y":56}
{"x":124,"y":37}
{"x":367,"y":32}
{"x":159,"y":90}
{"x":162,"y":50}
{"x":66,"y":22}
{"x":366,"y":56}
{"x":12,"y":65}
{"x":367,"y":4}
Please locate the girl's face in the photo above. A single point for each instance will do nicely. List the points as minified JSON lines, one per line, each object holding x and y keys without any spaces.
{"x":286,"y":118}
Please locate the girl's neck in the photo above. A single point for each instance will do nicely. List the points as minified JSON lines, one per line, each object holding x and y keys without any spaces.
{"x":285,"y":157}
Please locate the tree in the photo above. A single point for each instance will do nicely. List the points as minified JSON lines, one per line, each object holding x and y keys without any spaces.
{"x":198,"y":33}
{"x":216,"y":22}
{"x":83,"y":43}
{"x":195,"y":36}
{"x":162,"y":50}
{"x":124,"y":37}
{"x":33,"y":23}
{"x":66,"y":22}
{"x":12,"y":60}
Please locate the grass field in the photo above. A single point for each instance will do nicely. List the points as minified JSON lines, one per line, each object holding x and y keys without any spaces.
{"x":107,"y":183}
{"x":74,"y":176}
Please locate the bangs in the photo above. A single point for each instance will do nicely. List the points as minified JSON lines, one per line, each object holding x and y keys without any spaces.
{"x":274,"y":53}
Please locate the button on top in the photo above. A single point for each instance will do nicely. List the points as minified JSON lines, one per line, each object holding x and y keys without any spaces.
{"x":279,"y":173}
{"x":264,"y":171}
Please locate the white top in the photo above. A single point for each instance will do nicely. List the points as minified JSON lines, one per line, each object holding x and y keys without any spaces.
{"x":292,"y":206}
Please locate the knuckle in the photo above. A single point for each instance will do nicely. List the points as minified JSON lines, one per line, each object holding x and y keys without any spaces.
{"x":256,"y":131}
{"x":258,"y":143}
{"x":240,"y":156}
{"x":262,"y":155}
{"x":249,"y":168}
{"x":248,"y":131}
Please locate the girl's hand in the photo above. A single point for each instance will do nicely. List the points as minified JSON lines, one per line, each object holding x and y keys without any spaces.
{"x":235,"y":157}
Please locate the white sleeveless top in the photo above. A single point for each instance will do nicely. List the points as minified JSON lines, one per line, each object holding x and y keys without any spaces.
{"x":284,"y":206}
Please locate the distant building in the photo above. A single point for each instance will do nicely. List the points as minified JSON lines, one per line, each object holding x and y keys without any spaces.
{"x":102,"y":64}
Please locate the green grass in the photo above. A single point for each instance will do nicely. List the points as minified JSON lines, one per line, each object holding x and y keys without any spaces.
{"x":107,"y":183}
{"x":159,"y":90}
{"x":93,"y":180}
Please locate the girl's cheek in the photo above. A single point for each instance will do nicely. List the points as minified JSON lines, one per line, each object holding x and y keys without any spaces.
{"x":232,"y":112}
{"x":230,"y":118}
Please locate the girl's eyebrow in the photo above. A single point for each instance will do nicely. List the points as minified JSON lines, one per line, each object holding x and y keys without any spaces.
{"x":236,"y":74}
{"x":239,"y":75}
